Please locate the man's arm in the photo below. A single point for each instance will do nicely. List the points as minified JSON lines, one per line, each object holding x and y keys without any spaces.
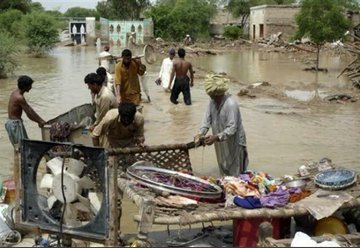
{"x":30,"y":112}
{"x":99,"y":130}
{"x":104,"y":106}
{"x":139,"y":134}
{"x":172,"y":77}
{"x":96,"y":141}
{"x":191,"y":75}
{"x":231,"y":122}
{"x":118,"y":81}
{"x":162,"y":68}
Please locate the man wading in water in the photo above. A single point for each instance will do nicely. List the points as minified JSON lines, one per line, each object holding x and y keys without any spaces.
{"x":17,"y":103}
{"x":182,"y":81}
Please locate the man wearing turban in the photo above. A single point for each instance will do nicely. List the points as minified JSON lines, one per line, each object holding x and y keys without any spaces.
{"x":228,"y":135}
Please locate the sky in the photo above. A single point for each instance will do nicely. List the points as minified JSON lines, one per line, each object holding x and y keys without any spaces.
{"x":63,"y":5}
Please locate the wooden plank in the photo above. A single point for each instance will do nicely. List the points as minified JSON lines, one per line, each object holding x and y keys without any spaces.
{"x":113,"y":219}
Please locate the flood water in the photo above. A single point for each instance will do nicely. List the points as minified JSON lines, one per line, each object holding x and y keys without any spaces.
{"x":277,"y":143}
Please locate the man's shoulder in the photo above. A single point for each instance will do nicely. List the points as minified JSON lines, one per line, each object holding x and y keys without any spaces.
{"x":231,"y":101}
{"x":15,"y":96}
{"x":139,"y":117}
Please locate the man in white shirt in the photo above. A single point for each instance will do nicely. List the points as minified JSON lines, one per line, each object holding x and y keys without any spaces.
{"x":165,"y":71}
{"x":104,"y":58}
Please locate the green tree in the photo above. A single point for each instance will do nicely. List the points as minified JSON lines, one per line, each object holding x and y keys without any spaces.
{"x":232,"y":32}
{"x":123,"y":10}
{"x":174,"y":19}
{"x":10,"y":22}
{"x":36,"y":6}
{"x":41,"y":32}
{"x":81,"y":12}
{"x":8,"y":54}
{"x":22,"y":5}
{"x":322,"y":21}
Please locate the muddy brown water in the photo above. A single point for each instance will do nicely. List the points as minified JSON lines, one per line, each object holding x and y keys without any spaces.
{"x":282,"y":133}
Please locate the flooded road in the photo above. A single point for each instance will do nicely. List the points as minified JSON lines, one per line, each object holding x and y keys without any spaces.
{"x":277,"y":143}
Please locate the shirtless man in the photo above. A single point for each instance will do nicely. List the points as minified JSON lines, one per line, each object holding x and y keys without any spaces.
{"x":182,"y":81}
{"x":17,"y":103}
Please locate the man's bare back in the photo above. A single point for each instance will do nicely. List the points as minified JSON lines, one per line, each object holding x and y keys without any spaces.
{"x":17,"y":104}
{"x":14,"y":107}
{"x":181,"y":69}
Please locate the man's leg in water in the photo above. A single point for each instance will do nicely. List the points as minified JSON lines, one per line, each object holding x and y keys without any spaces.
{"x":175,"y":92}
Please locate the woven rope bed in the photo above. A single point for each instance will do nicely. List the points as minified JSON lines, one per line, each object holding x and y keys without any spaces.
{"x":176,"y":157}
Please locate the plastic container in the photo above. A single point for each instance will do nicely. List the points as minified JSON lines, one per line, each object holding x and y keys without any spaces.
{"x":9,"y":185}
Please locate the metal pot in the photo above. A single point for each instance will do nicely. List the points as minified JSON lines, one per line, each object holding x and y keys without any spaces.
{"x":298,"y":183}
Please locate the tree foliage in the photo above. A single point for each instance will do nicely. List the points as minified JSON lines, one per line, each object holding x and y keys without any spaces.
{"x":81,"y":12}
{"x":322,"y":21}
{"x":232,"y":32}
{"x":22,"y":5}
{"x":10,"y":22}
{"x":123,"y":10}
{"x":8,"y":54}
{"x":36,"y":7}
{"x":173,"y":19}
{"x":41,"y":32}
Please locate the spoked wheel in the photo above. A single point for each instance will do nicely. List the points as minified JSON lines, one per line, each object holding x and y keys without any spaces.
{"x":173,"y":182}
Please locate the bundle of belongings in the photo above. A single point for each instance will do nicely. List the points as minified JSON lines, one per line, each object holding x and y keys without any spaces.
{"x":258,"y":189}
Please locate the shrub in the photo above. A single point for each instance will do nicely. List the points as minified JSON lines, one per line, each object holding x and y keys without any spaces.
{"x":8,"y":54}
{"x":10,"y":22}
{"x":232,"y":32}
{"x":40,"y":32}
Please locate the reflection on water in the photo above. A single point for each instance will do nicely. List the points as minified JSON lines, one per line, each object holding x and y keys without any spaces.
{"x":277,"y":144}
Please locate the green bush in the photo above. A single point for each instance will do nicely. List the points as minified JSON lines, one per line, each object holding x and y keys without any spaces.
{"x":232,"y":32}
{"x":41,"y":32}
{"x":8,"y":54}
{"x":10,"y":22}
{"x":174,"y":19}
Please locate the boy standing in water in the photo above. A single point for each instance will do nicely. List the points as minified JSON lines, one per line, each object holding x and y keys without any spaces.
{"x":17,"y":104}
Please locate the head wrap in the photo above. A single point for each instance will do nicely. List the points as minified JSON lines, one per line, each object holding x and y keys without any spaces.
{"x":216,"y":85}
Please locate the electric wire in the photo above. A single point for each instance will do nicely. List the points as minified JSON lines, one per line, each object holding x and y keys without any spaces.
{"x":61,"y":234}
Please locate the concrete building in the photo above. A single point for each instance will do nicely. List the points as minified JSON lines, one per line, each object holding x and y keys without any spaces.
{"x":117,"y":33}
{"x":221,"y":19}
{"x":82,"y":30}
{"x":266,"y":20}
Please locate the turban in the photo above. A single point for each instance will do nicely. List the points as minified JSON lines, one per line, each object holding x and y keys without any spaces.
{"x":216,"y":85}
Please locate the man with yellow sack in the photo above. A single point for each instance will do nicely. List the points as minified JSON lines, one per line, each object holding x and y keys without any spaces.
{"x":127,"y":84}
{"x":228,"y":135}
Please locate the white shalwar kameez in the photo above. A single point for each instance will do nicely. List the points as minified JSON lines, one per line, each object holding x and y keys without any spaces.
{"x":165,"y":72}
{"x":225,"y":122}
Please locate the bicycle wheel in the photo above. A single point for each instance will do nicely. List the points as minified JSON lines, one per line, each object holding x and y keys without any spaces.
{"x":173,"y":181}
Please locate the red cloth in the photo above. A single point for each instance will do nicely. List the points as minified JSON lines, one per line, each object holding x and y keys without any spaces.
{"x":245,"y":231}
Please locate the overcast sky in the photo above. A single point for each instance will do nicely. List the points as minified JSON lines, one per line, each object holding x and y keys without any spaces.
{"x":63,"y":5}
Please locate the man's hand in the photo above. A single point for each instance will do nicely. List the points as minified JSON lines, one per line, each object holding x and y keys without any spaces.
{"x":41,"y":124}
{"x":118,"y":99}
{"x":199,"y":140}
{"x":140,"y":142}
{"x":191,"y":84}
{"x":91,"y":128}
{"x":211,"y":139}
